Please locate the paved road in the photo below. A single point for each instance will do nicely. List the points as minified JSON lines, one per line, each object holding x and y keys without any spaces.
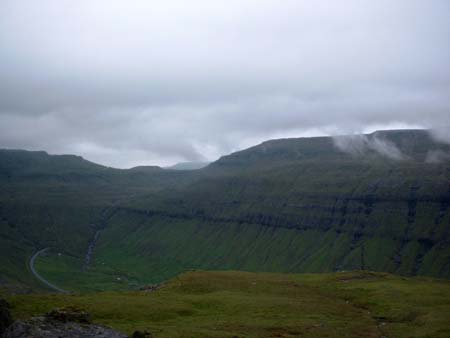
{"x":38,"y":276}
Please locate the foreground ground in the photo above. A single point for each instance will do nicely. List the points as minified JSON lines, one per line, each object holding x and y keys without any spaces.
{"x":240,"y":304}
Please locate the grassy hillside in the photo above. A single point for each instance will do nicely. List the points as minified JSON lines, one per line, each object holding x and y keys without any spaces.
{"x":60,"y":202}
{"x":268,"y":209}
{"x":378,"y":202}
{"x":240,"y":304}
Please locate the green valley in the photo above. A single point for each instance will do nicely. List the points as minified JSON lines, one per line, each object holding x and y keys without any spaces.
{"x":378,"y":202}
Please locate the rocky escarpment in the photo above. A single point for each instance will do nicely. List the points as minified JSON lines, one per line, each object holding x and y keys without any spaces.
{"x":384,"y":216}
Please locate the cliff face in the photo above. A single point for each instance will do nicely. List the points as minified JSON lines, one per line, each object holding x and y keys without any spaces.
{"x":304,"y":205}
{"x":401,"y":228}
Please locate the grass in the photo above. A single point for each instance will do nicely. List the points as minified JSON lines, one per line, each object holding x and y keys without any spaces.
{"x":243,"y":304}
{"x":136,"y":249}
{"x":67,"y":272}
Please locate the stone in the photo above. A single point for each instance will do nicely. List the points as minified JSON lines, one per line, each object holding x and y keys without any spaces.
{"x":141,"y":334}
{"x":70,"y":314}
{"x":149,"y":288}
{"x":47,"y":327}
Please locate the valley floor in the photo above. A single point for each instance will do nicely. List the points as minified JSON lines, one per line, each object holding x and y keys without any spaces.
{"x":243,"y":304}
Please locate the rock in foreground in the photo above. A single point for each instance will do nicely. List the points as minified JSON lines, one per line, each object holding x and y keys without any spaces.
{"x":46,"y":327}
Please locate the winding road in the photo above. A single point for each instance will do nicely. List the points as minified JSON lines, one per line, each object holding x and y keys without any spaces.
{"x":38,"y":276}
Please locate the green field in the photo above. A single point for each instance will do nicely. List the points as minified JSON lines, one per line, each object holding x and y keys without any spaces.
{"x":242,"y":304}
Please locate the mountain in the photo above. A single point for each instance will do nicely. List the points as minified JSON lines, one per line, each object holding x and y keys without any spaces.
{"x":60,"y":201}
{"x":188,"y":166}
{"x":374,"y":202}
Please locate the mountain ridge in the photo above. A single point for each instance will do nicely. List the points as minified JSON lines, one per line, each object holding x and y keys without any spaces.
{"x":418,"y":135}
{"x":290,"y":205}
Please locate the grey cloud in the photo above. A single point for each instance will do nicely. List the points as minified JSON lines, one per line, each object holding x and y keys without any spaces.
{"x":387,"y":149}
{"x":359,"y":145}
{"x":437,"y":156}
{"x":155,"y":83}
{"x":352,"y":144}
{"x":441,"y":134}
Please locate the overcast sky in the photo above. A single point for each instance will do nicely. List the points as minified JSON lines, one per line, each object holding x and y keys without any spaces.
{"x":127,"y":83}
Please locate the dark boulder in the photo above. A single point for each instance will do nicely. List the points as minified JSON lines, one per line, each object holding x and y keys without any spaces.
{"x":149,"y":288}
{"x":70,"y":314}
{"x":141,"y":334}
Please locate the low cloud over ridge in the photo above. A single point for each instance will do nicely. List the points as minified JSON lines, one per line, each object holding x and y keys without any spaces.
{"x":143,"y":83}
{"x":361,"y":144}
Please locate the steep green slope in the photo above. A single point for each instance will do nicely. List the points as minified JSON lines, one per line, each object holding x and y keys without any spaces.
{"x":295,"y":205}
{"x":61,"y":202}
{"x":378,"y":202}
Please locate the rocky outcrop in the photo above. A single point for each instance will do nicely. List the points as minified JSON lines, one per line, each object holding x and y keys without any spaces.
{"x":64,"y":323}
{"x":70,"y":314}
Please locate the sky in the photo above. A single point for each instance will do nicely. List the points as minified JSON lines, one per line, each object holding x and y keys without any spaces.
{"x":126,"y":83}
